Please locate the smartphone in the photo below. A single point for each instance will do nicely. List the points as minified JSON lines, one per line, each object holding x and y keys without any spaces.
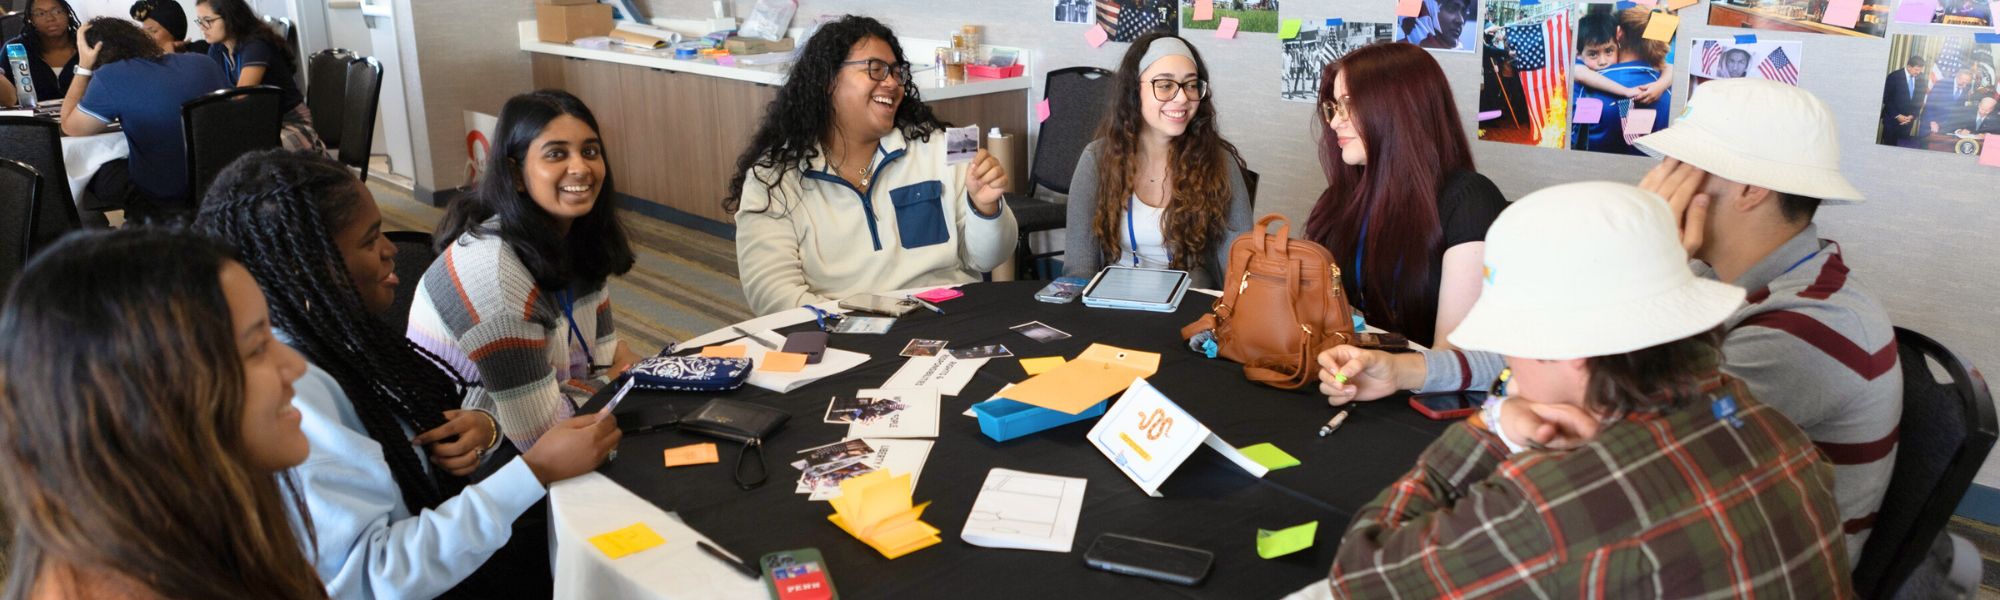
{"x":1141,"y":557}
{"x":894,"y":307}
{"x":798,"y":575}
{"x":1063,"y":290}
{"x":1449,"y":405}
{"x":810,"y":343}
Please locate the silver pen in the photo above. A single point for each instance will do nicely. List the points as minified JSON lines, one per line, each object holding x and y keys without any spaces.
{"x":753,"y":337}
{"x":1333,"y":424}
{"x":934,"y":308}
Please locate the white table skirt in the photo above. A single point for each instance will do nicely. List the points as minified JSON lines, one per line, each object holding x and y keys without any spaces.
{"x":82,"y":156}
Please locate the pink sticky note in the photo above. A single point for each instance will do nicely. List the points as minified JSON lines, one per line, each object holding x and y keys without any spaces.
{"x":1096,"y":35}
{"x":1842,"y":13}
{"x":1204,"y":10}
{"x":1409,"y":8}
{"x":1916,"y":11}
{"x":1638,"y":123}
{"x":1588,"y":111}
{"x":725,"y":61}
{"x":1226,"y":29}
{"x":1989,"y":154}
{"x":1042,"y":111}
{"x":1993,"y":8}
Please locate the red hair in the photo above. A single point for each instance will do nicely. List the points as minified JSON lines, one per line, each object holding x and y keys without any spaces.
{"x":1403,"y":112}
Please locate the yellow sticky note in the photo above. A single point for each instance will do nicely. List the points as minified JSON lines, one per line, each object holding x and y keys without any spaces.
{"x":1677,"y":5}
{"x":1037,"y":366}
{"x":630,"y":540}
{"x":1662,"y":26}
{"x":783,"y":362}
{"x":730,"y":351}
{"x":1289,"y":29}
{"x":692,"y":454}
{"x":1273,"y":544}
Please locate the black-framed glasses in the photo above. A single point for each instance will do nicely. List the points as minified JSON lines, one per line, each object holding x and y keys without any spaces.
{"x":879,"y":69}
{"x":206,"y":22}
{"x":1335,"y":109}
{"x":1165,"y":89}
{"x":48,"y":13}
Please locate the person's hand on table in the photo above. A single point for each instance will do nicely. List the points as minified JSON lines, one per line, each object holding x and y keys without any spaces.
{"x":985,"y":181}
{"x":1547,"y":425}
{"x":1348,"y":374}
{"x":458,"y":445}
{"x":1681,"y":184}
{"x":573,"y":447}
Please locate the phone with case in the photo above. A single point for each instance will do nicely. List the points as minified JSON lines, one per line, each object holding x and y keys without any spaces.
{"x":798,"y":575}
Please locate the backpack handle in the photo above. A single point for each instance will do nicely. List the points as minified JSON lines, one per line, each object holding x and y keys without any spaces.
{"x":1282,"y":252}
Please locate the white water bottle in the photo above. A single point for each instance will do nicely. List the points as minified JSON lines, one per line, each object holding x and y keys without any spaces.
{"x":24,"y":80}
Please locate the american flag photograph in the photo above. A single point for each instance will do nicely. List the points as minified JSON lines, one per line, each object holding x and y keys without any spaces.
{"x":1525,"y":89}
{"x":1126,"y":20}
{"x":1725,"y":59}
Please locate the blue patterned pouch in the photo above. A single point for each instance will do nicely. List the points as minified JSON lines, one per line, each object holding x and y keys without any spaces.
{"x":691,"y":373}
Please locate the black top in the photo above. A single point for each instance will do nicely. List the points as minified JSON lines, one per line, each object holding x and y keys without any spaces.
{"x":1467,"y":204}
{"x":49,"y":83}
{"x":254,"y":52}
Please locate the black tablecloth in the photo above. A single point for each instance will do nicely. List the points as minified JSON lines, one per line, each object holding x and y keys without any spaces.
{"x":1209,"y":503}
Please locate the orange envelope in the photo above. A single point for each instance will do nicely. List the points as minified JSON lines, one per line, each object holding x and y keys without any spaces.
{"x":692,"y":454}
{"x":730,"y":351}
{"x":1100,"y":372}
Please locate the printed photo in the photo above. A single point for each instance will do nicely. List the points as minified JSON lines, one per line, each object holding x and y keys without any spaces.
{"x":1252,"y":16}
{"x":1040,"y":332}
{"x":1622,"y":81}
{"x":1726,"y":59}
{"x":1808,"y":16}
{"x":1524,"y":90}
{"x":830,"y":476}
{"x":1126,"y":20}
{"x":1316,"y":46}
{"x":961,"y":144}
{"x":862,"y":409}
{"x":1080,"y":12}
{"x":1939,"y":94}
{"x":923,"y":348}
{"x":832,"y":453}
{"x":1971,"y":13}
{"x":1441,"y":25}
{"x":987,"y":351}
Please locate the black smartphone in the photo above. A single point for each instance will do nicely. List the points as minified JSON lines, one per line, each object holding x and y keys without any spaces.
{"x":810,"y":343}
{"x":1141,"y":557}
{"x":1449,"y":405}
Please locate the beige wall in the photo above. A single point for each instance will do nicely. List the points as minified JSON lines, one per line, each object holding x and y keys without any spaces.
{"x":458,"y":55}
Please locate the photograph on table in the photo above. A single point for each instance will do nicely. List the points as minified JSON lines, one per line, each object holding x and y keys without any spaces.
{"x":1079,"y":12}
{"x":1524,"y":88}
{"x":1441,"y":25}
{"x":1126,"y":20}
{"x":1252,"y":16}
{"x":1938,"y":94}
{"x":1869,"y":18}
{"x":1317,"y":44}
{"x":1967,"y":13}
{"x":862,"y":409}
{"x":1726,"y":59}
{"x":1622,"y":78}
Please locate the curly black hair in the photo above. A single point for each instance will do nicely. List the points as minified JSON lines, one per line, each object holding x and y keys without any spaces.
{"x":122,"y":40}
{"x":801,"y":115}
{"x":280,"y":210}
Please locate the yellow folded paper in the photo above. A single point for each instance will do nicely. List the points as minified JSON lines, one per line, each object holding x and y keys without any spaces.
{"x":627,"y":541}
{"x":1100,"y":372}
{"x":876,"y":509}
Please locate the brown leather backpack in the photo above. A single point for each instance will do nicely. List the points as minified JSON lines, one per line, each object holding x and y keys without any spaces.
{"x":1281,"y":303}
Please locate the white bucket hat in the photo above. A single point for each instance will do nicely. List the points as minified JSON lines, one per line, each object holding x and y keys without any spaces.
{"x":1589,"y":269}
{"x":1760,"y":133}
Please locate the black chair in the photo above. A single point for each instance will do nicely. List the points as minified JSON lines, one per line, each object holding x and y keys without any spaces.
{"x":11,"y":26}
{"x":222,"y":125}
{"x":326,"y":91}
{"x":357,"y":126}
{"x":20,"y":191}
{"x":37,"y":142}
{"x":414,"y":255}
{"x":1077,"y":99}
{"x":1946,"y":432}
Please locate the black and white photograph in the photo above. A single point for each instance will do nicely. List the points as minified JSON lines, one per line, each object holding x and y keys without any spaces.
{"x":1316,"y":45}
{"x":1078,"y":12}
{"x":1126,"y":20}
{"x":961,"y":144}
{"x":1040,"y":332}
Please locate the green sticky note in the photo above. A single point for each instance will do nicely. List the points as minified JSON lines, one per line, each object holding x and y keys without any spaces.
{"x":1270,"y":456}
{"x":1273,"y":544}
{"x":1290,"y":29}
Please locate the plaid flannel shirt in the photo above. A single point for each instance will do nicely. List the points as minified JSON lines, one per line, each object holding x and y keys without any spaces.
{"x":1674,"y":505}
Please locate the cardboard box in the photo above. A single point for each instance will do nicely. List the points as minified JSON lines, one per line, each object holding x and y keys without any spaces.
{"x":562,"y":24}
{"x":748,"y":46}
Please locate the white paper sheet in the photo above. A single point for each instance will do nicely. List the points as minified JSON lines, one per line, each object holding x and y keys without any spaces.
{"x":944,"y":373}
{"x":832,"y":362}
{"x":1027,"y":511}
{"x":917,"y":419}
{"x":893,"y":455}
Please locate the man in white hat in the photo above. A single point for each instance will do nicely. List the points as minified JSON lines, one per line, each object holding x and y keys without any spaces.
{"x":1747,"y":166}
{"x":1644,"y":471}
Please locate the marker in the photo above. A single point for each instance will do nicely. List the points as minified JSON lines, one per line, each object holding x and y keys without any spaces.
{"x":1339,"y":379}
{"x":725,"y":556}
{"x":753,"y":337}
{"x":1333,"y":423}
{"x":934,"y":308}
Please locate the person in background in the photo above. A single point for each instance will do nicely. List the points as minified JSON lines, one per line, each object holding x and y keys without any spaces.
{"x":1618,"y":461}
{"x":848,"y":123}
{"x":123,"y":77}
{"x":147,"y":426}
{"x":1641,"y":79}
{"x":1160,"y":188}
{"x":167,"y":24}
{"x":1403,"y":212}
{"x":310,"y":232}
{"x":1983,"y":119}
{"x":252,"y":53}
{"x":52,"y":51}
{"x":1735,"y":63}
{"x":1950,"y":102}
{"x":1903,"y":94}
{"x":519,"y":297}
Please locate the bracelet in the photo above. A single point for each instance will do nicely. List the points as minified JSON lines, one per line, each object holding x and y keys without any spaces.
{"x":1491,"y":413}
{"x":81,"y":72}
{"x":492,"y":439}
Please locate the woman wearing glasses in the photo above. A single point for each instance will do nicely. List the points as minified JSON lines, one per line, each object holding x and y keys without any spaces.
{"x":253,"y":53}
{"x":1403,"y":210}
{"x":1159,"y":188}
{"x":845,"y":189}
{"x":51,"y":46}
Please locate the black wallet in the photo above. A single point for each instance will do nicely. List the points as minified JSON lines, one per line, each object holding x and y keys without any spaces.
{"x":741,"y":422}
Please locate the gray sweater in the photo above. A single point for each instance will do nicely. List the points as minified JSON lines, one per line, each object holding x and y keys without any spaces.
{"x":1081,"y":256}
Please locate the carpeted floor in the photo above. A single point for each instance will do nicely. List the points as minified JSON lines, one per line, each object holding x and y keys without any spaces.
{"x":684,"y":284}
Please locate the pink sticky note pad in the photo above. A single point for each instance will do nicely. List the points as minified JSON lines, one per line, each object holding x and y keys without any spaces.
{"x":725,"y":61}
{"x":1916,"y":11}
{"x":1409,"y":8}
{"x":1989,"y":153}
{"x":1638,"y":123}
{"x":1226,"y":29}
{"x":1843,"y":13}
{"x":940,"y":295}
{"x":1204,"y":10}
{"x":1993,"y":8}
{"x":1042,"y":111}
{"x":1096,"y":35}
{"x":1588,"y":111}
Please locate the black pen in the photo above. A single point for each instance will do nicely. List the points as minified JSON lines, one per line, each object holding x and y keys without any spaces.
{"x":725,"y":556}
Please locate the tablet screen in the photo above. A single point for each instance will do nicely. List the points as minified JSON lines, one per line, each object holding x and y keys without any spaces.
{"x":1138,"y":285}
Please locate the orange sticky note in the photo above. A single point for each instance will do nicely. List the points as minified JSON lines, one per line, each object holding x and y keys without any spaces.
{"x":1096,"y":36}
{"x":1989,"y":152}
{"x":783,"y":362}
{"x":1100,"y":372}
{"x":1037,"y":366}
{"x":1204,"y":10}
{"x":1409,"y":8}
{"x":692,"y":454}
{"x":730,"y":351}
{"x":1677,"y":5}
{"x":1662,"y":26}
{"x":627,"y":541}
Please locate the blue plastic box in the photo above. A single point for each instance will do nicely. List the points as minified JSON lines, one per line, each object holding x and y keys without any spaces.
{"x":1003,"y":419}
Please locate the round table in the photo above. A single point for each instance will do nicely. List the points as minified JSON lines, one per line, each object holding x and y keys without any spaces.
{"x":1209,"y":503}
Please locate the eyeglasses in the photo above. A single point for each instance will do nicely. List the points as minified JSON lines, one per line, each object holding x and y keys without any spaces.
{"x":205,"y":22}
{"x":1165,"y":89}
{"x":879,"y":69}
{"x":48,"y":13}
{"x":1335,"y":109}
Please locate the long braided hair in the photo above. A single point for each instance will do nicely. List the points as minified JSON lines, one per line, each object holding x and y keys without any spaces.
{"x":281,"y":209}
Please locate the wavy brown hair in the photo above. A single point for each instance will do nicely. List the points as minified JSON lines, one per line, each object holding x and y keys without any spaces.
{"x":1197,"y":163}
{"x":121,"y":429}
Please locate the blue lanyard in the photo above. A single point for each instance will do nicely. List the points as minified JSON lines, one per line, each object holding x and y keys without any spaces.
{"x":1132,"y":232}
{"x":563,"y":298}
{"x":1796,"y":264}
{"x":1360,"y":247}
